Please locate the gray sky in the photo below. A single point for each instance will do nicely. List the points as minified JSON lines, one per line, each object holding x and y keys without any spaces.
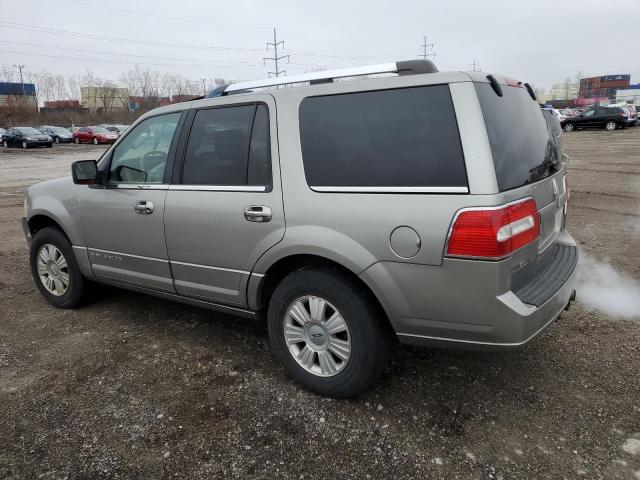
{"x":540,"y":41}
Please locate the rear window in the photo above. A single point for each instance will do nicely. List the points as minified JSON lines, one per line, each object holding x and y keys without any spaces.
{"x":390,"y":138}
{"x":522,"y":147}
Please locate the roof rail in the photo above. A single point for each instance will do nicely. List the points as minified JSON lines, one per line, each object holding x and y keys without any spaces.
{"x":407,"y":67}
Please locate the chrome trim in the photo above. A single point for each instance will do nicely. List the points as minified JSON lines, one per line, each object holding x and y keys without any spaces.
{"x":259,"y":275}
{"x":391,"y":189}
{"x":139,"y":186}
{"x":128,"y":255}
{"x":308,"y":77}
{"x":79,"y":247}
{"x":185,"y":264}
{"x":218,"y":188}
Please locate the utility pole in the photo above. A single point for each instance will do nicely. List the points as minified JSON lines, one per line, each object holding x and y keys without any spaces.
{"x":475,"y":66}
{"x":24,"y":94}
{"x":424,"y":49}
{"x":275,"y":57}
{"x":204,"y":86}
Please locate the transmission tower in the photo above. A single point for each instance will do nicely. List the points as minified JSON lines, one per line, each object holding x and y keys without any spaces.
{"x":276,"y":59}
{"x":475,"y":66}
{"x":424,"y":46}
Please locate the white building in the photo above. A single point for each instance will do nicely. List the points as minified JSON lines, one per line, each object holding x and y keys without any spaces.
{"x":632,"y":95}
{"x":564,"y":91}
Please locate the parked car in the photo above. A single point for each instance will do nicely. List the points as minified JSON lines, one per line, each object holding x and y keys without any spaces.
{"x":2,"y":132}
{"x":74,"y":129}
{"x":25,"y":137}
{"x":58,"y":134}
{"x":94,"y":135}
{"x":609,"y":118}
{"x":556,"y":129}
{"x":637,"y":109}
{"x":112,"y":128}
{"x":425,"y":207}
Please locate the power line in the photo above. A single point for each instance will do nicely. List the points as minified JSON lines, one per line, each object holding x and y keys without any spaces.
{"x":276,"y":59}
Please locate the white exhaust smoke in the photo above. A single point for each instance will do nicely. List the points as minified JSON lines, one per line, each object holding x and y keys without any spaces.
{"x":601,"y":287}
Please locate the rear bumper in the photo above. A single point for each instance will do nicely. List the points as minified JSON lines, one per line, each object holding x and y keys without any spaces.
{"x":464,"y":304}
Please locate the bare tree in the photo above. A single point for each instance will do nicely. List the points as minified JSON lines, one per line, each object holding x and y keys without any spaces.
{"x":6,"y":73}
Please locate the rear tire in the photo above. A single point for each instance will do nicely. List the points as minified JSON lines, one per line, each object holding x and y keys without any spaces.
{"x":341,"y":360}
{"x":610,"y":125}
{"x":48,"y":247}
{"x":569,"y":127}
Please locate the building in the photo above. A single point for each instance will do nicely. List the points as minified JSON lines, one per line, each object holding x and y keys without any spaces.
{"x":104,"y":98}
{"x":564,"y":91}
{"x":18,"y":96}
{"x":605,"y":86}
{"x":629,"y":95}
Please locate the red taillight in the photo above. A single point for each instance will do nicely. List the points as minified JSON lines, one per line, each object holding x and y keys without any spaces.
{"x":494,"y":233}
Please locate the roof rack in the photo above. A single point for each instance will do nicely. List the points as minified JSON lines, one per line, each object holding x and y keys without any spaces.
{"x":407,"y":67}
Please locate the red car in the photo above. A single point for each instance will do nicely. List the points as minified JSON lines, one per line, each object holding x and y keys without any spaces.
{"x":94,"y":135}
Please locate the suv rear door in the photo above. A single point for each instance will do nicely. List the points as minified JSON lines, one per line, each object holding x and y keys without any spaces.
{"x":225,"y":207}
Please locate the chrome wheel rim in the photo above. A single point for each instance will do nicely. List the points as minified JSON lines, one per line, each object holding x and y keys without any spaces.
{"x":24,"y":144}
{"x":611,"y":126}
{"x":53,"y":270}
{"x":317,"y":336}
{"x":568,"y":127}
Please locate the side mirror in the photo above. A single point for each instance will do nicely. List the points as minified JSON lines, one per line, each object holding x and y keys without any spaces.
{"x":84,"y":172}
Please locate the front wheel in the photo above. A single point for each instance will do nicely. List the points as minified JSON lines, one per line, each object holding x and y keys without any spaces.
{"x":55,"y":270}
{"x":568,"y":127}
{"x":25,"y":145}
{"x":327,"y":332}
{"x":611,"y":125}
{"x":57,"y":139}
{"x":95,"y":141}
{"x":5,"y":144}
{"x":76,"y":140}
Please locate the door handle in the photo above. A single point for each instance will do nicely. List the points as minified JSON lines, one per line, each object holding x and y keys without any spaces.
{"x":257,"y":213}
{"x":144,"y":207}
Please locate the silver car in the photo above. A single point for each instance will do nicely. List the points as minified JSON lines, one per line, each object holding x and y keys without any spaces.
{"x":411,"y":205}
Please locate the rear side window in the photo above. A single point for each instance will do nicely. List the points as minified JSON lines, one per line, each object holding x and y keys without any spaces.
{"x":390,"y":138}
{"x":522,"y":146}
{"x":229,"y":146}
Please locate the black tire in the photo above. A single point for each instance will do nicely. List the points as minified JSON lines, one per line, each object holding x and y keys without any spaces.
{"x":369,"y":335}
{"x":49,"y":145}
{"x":76,"y":291}
{"x":568,"y":127}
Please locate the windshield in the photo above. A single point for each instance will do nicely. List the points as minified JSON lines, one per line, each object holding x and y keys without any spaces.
{"x":521,"y":143}
{"x":29,"y":131}
{"x":100,"y":130}
{"x":60,"y":130}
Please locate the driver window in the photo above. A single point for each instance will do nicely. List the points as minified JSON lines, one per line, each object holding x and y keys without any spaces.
{"x":589,"y":113}
{"x":141,"y":156}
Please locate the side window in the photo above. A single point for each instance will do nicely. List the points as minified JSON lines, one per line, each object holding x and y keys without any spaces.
{"x":228,"y":146}
{"x":589,"y":113}
{"x":141,"y":156}
{"x":388,"y":138}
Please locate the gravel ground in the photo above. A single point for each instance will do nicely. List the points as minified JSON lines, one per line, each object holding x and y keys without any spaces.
{"x":131,"y":386}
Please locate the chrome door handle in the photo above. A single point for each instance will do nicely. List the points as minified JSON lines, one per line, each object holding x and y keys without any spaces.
{"x":144,"y":207}
{"x":257,"y":213}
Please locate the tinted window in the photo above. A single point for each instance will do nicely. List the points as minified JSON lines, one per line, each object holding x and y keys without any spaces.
{"x":400,"y":138}
{"x":141,"y":156}
{"x":522,"y":146}
{"x":229,"y":146}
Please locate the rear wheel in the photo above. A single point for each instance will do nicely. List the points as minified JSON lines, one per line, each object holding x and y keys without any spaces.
{"x":55,"y":270}
{"x":77,"y":140}
{"x":611,"y":125}
{"x":568,"y":127}
{"x":95,"y":141}
{"x":327,"y":333}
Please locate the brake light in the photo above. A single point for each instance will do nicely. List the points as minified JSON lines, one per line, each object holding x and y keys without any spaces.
{"x":494,"y":233}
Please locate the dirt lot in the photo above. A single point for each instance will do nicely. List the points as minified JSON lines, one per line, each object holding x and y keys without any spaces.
{"x":131,"y":386}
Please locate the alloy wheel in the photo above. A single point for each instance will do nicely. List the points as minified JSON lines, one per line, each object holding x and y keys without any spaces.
{"x":317,"y":336}
{"x":24,"y":145}
{"x":53,"y":269}
{"x":568,"y":127}
{"x":611,"y":126}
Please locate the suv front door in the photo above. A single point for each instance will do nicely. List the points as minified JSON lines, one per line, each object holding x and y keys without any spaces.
{"x":123,"y":220}
{"x":226,"y":209}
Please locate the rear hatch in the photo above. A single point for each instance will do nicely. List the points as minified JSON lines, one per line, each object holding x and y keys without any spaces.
{"x":528,"y":165}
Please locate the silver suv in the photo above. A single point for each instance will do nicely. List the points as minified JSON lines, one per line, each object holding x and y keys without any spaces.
{"x":417,"y":205}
